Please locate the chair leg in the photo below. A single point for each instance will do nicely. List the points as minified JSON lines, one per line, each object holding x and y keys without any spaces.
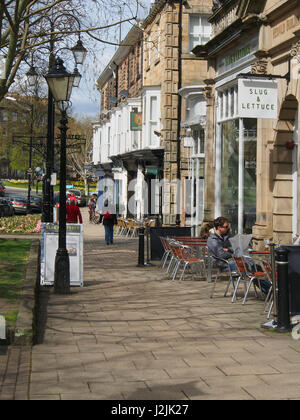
{"x":182,"y":273}
{"x":268,"y":299}
{"x":270,"y":310}
{"x":170,"y":263}
{"x":214,"y":286}
{"x":247,"y":291}
{"x":175,"y":271}
{"x":164,"y":258}
{"x":230,"y":282}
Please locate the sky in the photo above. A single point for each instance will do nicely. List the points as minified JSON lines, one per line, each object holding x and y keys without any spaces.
{"x":86,"y":99}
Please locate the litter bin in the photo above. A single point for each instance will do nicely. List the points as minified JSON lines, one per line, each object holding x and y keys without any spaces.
{"x":294,"y":278}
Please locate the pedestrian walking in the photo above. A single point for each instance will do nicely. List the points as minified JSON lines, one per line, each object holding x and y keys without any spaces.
{"x":109,"y":220}
{"x":73,"y":213}
{"x":71,"y":196}
{"x":92,"y":206}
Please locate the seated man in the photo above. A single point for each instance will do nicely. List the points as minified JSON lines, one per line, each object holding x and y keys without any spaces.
{"x":219,"y":245}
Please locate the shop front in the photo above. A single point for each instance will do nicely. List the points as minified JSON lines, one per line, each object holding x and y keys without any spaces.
{"x":235,"y":140}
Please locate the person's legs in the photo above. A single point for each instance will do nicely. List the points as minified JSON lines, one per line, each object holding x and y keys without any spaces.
{"x":107,"y":234}
{"x":111,"y":234}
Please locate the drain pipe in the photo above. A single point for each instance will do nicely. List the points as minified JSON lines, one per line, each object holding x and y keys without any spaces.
{"x":179,"y":108}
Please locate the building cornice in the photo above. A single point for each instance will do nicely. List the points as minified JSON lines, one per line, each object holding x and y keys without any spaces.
{"x":130,"y":40}
{"x":153,"y":12}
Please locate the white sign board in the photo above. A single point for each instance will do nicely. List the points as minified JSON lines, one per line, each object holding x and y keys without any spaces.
{"x":257,"y":98}
{"x":49,"y":245}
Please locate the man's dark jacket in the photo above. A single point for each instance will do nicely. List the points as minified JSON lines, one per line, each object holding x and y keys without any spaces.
{"x":215,"y":244}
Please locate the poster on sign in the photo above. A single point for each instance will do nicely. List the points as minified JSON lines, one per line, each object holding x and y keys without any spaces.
{"x":49,"y":245}
{"x":257,"y":98}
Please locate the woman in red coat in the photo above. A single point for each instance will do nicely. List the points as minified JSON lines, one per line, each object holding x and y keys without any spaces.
{"x":73,"y":213}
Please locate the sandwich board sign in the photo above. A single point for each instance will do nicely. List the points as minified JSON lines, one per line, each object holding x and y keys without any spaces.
{"x":49,"y":245}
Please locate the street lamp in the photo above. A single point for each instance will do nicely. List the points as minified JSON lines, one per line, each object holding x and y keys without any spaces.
{"x":32,"y":76}
{"x":60,"y":83}
{"x":79,"y":53}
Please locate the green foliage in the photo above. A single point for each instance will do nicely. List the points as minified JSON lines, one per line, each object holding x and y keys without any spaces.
{"x":14,"y":257}
{"x":30,"y":223}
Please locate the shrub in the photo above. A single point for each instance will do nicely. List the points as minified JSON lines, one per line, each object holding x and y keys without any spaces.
{"x":31,"y":223}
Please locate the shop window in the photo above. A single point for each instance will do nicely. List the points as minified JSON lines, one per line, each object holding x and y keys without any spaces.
{"x":228,"y":103}
{"x":229,"y":179}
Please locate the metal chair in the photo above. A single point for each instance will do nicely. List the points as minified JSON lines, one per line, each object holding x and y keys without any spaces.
{"x":252,"y":278}
{"x":186,"y":257}
{"x":219,"y":274}
{"x":167,"y":251}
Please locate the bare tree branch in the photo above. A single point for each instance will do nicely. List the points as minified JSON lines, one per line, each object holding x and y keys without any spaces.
{"x":25,"y":25}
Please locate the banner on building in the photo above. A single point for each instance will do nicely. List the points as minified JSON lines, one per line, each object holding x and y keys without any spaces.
{"x":257,"y":98}
{"x":136,"y":121}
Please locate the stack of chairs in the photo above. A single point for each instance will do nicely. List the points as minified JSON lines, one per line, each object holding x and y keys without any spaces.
{"x":127,"y":228}
{"x":181,"y":255}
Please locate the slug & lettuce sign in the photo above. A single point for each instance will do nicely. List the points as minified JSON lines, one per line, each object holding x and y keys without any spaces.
{"x":257,"y":98}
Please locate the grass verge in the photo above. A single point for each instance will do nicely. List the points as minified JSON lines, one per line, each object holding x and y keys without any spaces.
{"x":14,"y":257}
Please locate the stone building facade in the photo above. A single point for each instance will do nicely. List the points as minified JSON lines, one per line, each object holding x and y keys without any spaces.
{"x":170,"y":33}
{"x":169,"y":86}
{"x":252,"y":174}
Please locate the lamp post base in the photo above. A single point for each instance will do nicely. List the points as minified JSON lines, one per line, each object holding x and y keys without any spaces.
{"x":62,"y":272}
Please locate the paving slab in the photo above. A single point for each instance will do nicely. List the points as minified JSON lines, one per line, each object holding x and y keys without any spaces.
{"x":131,"y":333}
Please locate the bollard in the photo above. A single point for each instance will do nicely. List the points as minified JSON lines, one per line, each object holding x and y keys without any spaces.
{"x":148,"y":245}
{"x":283,"y":310}
{"x":141,"y":235}
{"x":274,"y":281}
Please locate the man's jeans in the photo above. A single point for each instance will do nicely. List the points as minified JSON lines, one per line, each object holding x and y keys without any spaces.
{"x":109,"y":234}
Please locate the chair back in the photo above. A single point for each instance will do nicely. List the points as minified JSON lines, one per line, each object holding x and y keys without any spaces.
{"x":240,"y":264}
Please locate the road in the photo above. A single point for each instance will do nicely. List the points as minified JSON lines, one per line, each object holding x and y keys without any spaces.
{"x":19,"y":191}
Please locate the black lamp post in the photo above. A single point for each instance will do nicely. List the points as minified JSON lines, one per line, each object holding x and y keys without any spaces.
{"x":60,"y":83}
{"x":32,"y":78}
{"x":79,"y":53}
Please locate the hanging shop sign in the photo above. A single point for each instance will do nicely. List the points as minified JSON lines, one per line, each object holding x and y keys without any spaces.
{"x":257,"y":98}
{"x":136,"y":121}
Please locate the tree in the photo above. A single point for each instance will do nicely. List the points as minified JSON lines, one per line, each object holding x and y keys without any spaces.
{"x":23,"y":117}
{"x":78,"y":159}
{"x":27,"y":26}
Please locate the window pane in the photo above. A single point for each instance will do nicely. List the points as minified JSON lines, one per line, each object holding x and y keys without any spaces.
{"x":250,"y":147}
{"x":229,"y":181}
{"x":153,"y":137}
{"x":153,"y":108}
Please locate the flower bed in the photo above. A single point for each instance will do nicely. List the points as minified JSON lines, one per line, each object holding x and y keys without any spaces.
{"x":31,"y":223}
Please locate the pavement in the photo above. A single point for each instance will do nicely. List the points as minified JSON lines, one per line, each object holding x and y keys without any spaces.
{"x":130,"y":333}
